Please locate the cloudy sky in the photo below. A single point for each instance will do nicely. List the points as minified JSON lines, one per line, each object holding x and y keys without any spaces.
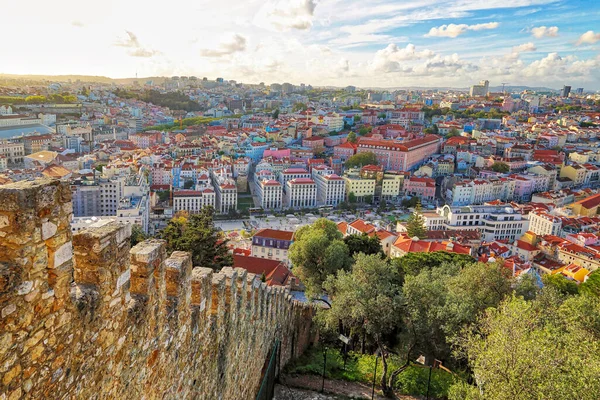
{"x":385,"y":43}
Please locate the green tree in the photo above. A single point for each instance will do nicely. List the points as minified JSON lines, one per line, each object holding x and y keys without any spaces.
{"x":357,"y":118}
{"x":35,"y":99}
{"x":188,"y":184}
{"x":351,"y":198}
{"x":275,"y":114}
{"x":363,"y":244}
{"x":563,"y":285}
{"x":299,"y":107}
{"x":137,"y":235}
{"x":381,"y":115}
{"x":412,"y":202}
{"x":361,"y":159}
{"x":531,"y":349}
{"x":199,"y":236}
{"x":443,"y":300}
{"x":500,"y":167}
{"x":317,"y":252}
{"x":453,"y":132}
{"x":363,"y":131}
{"x":415,"y":226}
{"x":369,"y":199}
{"x":414,"y":263}
{"x":368,"y":298}
{"x":352,"y":137}
{"x":592,"y":285}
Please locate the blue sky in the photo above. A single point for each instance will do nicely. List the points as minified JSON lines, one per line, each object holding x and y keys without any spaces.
{"x":384,"y":43}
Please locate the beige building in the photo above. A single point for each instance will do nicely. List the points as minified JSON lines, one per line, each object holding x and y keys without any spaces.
{"x":360,"y":187}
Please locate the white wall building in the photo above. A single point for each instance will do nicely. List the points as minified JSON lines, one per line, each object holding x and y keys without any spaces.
{"x":192,"y":201}
{"x":301,"y":193}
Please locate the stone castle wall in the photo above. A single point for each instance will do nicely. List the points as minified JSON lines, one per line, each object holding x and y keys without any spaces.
{"x":85,"y":317}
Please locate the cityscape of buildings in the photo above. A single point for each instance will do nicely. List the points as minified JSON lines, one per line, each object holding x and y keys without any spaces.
{"x":498,"y":174}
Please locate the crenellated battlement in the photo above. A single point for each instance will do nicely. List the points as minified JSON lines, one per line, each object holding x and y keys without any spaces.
{"x":85,"y":316}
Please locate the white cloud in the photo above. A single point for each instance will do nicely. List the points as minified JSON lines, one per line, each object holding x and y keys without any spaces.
{"x":77,"y":24}
{"x":525,"y":47}
{"x":283,"y":15}
{"x":544,"y":31}
{"x":228,"y":46}
{"x":454,"y":30}
{"x":390,"y":59}
{"x":589,"y":37}
{"x":132,"y":42}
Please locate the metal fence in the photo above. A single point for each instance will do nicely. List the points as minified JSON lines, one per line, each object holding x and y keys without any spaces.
{"x":267,"y":386}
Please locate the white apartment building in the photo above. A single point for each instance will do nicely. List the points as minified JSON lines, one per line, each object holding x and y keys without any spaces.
{"x":14,"y":152}
{"x":193,"y":201}
{"x":292,"y":173}
{"x":301,"y":193}
{"x":542,"y":223}
{"x":226,"y":197}
{"x":3,"y":162}
{"x":494,"y":222}
{"x":479,"y":191}
{"x":331,"y":189}
{"x":270,"y":194}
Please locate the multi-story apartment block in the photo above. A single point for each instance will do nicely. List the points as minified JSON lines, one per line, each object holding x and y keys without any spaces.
{"x":577,"y":173}
{"x":494,"y":222}
{"x":392,"y":185}
{"x":226,"y":198}
{"x":300,"y":193}
{"x":96,"y":197}
{"x":272,"y":244}
{"x":344,"y":151}
{"x":270,"y":194}
{"x":542,"y":223}
{"x":331,"y":189}
{"x":424,"y":188}
{"x":193,"y":201}
{"x":360,"y":187}
{"x":292,"y":173}
{"x":401,"y":156}
{"x":13,"y":151}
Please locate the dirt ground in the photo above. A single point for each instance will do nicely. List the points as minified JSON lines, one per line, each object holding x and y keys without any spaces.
{"x":307,"y":387}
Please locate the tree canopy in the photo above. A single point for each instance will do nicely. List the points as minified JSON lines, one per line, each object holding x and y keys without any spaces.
{"x":361,"y":159}
{"x":368,"y":297}
{"x":548,"y":348}
{"x":198,"y":235}
{"x":415,"y":226}
{"x":501,"y":167}
{"x":352,"y":137}
{"x":318,"y":251}
{"x":363,"y":244}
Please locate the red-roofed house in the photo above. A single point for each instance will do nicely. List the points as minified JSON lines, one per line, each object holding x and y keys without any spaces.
{"x":403,"y":246}
{"x":273,"y":244}
{"x":276,"y":272}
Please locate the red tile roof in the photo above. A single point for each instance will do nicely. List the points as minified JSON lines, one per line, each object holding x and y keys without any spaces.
{"x":275,"y":234}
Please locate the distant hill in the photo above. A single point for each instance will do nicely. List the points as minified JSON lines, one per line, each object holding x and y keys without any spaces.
{"x":81,"y":78}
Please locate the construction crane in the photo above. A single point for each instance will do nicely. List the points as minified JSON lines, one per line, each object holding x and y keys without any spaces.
{"x":504,"y":84}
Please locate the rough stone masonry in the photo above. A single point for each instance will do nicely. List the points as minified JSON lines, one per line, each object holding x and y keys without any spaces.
{"x":85,"y":317}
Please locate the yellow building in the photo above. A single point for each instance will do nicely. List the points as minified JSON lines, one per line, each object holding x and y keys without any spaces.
{"x":574,"y":272}
{"x":574,"y":172}
{"x":359,"y":187}
{"x":587,"y":207}
{"x":391,"y":185}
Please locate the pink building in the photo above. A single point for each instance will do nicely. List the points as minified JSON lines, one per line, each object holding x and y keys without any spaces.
{"x":276,"y":153}
{"x":344,"y":151}
{"x":401,"y":156}
{"x":316,"y":143}
{"x":424,"y":188}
